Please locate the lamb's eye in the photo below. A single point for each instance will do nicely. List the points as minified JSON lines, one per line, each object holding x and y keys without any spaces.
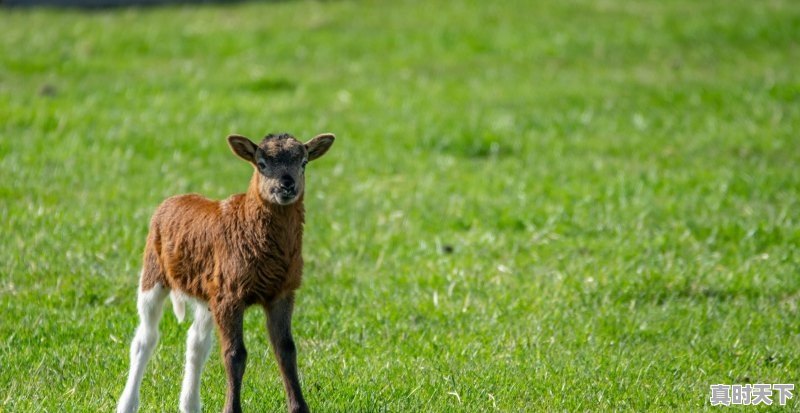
{"x":262,"y":164}
{"x":304,"y":164}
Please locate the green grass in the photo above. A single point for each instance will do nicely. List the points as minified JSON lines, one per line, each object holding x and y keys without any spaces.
{"x":619,"y":183}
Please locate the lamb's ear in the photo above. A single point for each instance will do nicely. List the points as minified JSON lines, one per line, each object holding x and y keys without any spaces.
{"x":318,"y":145}
{"x":243,"y":147}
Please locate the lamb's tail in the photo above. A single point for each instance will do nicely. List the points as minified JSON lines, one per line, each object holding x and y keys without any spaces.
{"x":178,"y":304}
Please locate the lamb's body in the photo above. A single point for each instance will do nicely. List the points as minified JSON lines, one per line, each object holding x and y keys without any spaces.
{"x":228,"y":255}
{"x":256,"y":248}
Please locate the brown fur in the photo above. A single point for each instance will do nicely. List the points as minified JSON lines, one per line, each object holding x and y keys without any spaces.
{"x":237,"y":250}
{"x":241,"y":251}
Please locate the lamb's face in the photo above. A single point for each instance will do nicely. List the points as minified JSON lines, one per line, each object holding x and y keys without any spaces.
{"x":281,"y":163}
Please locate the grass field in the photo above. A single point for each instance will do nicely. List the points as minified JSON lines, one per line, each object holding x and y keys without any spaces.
{"x":530,"y":206}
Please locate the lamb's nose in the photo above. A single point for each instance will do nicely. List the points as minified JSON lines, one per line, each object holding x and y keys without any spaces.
{"x":287,"y":182}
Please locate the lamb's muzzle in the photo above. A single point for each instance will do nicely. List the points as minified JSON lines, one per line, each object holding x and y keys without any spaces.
{"x":224,"y":256}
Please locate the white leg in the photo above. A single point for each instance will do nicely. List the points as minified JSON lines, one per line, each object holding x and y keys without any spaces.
{"x":150,"y":304}
{"x":198,"y":345}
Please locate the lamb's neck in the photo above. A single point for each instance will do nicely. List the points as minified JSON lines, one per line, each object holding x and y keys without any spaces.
{"x":273,"y":217}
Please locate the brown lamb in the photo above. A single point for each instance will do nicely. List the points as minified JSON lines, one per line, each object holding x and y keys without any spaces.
{"x":226,"y":256}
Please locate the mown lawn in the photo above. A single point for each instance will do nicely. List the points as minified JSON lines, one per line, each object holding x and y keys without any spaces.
{"x":530,"y":205}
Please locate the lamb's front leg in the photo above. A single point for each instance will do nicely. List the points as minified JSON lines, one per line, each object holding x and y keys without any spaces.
{"x":279,"y":324}
{"x":229,"y":320}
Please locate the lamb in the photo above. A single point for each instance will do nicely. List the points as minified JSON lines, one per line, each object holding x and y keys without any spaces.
{"x":225,"y":256}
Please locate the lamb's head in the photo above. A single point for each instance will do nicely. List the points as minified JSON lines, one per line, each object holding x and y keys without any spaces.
{"x":280,"y":162}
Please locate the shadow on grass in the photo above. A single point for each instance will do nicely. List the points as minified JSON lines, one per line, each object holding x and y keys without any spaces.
{"x":473,"y":145}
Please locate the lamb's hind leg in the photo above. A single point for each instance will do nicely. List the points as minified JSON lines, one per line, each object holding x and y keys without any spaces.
{"x":150,"y":304}
{"x":198,"y":345}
